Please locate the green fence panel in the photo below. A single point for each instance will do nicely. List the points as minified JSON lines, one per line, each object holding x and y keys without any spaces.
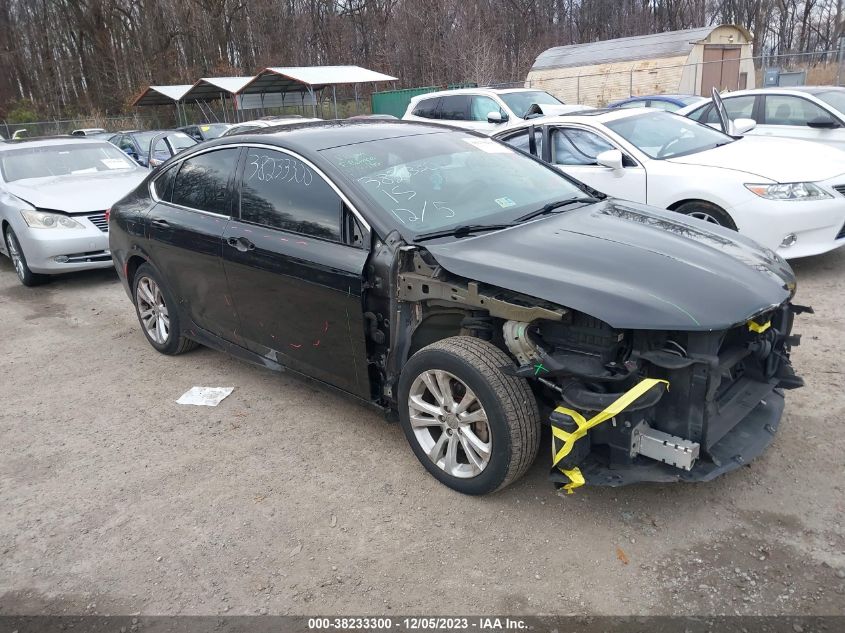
{"x":395,"y":102}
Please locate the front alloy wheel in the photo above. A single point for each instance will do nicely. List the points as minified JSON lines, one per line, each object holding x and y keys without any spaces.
{"x":13,"y":247}
{"x":449,"y":423}
{"x":471,"y":423}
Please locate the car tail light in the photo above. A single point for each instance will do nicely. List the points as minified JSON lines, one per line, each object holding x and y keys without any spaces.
{"x":108,"y":215}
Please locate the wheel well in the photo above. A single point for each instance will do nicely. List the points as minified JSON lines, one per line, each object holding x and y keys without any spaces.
{"x":131,"y":268}
{"x":674,"y":206}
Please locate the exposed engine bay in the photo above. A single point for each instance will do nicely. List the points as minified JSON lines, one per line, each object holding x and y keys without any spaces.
{"x":635,"y":405}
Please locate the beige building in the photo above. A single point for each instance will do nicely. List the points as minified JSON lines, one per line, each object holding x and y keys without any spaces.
{"x":692,"y":61}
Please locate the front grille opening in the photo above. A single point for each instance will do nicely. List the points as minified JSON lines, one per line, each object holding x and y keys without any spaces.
{"x":99,"y":220}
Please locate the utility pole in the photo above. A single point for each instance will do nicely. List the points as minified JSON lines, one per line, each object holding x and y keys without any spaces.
{"x":840,"y":32}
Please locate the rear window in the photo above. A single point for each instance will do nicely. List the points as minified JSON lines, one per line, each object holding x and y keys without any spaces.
{"x":62,"y":160}
{"x":426,"y":108}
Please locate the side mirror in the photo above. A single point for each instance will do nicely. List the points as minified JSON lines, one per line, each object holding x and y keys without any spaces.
{"x":823,"y":123}
{"x":612,"y":158}
{"x":496,"y":117}
{"x":742,"y":126}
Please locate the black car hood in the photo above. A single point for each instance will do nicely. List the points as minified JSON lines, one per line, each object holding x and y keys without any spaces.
{"x":632,"y":266}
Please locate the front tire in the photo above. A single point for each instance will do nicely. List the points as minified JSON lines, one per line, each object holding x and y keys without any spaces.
{"x":475,"y":428}
{"x":157,"y":313}
{"x":13,"y":247}
{"x":708,"y":212}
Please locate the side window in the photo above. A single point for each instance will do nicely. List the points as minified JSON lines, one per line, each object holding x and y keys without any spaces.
{"x":481,"y":107}
{"x":163,"y":183}
{"x":426,"y":108}
{"x":125,"y":143}
{"x":203,"y":181}
{"x":702,"y":114}
{"x":577,"y":147}
{"x":453,"y":108}
{"x":786,"y":110}
{"x":280,"y":191}
{"x":736,"y":107}
{"x":520,"y":140}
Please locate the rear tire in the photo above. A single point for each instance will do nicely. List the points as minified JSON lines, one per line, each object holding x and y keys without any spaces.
{"x":157,"y":313}
{"x":485,"y":433}
{"x":16,"y":254}
{"x":708,"y":212}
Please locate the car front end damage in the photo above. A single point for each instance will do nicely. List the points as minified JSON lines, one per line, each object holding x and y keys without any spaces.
{"x":625,"y":405}
{"x":635,"y":406}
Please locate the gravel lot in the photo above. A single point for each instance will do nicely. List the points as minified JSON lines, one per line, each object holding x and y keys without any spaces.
{"x":287,"y":499}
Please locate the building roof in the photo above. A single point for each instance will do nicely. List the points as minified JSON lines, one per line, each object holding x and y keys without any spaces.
{"x":307,"y":78}
{"x":212,"y":88}
{"x":161,"y":95}
{"x":668,"y":44}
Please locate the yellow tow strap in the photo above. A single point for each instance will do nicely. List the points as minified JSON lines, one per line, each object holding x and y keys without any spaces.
{"x":753,"y":326}
{"x":568,"y":439}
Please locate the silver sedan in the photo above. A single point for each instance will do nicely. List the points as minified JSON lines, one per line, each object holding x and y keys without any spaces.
{"x":54,"y":194}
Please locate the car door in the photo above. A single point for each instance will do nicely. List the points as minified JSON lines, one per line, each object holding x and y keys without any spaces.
{"x":573,"y":150}
{"x":185,"y":232}
{"x":740,"y":107}
{"x":790,"y":116}
{"x":294,"y":259}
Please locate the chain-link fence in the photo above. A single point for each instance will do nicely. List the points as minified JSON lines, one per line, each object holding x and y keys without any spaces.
{"x":57,"y":127}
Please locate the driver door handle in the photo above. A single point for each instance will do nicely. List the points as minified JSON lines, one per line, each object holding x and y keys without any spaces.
{"x":240,"y":243}
{"x":161,"y":224}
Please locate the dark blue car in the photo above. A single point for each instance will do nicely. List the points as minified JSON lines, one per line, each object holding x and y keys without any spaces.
{"x":670,"y":103}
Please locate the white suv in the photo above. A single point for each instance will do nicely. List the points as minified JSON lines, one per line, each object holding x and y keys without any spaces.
{"x":809,"y":113}
{"x":483,"y":109}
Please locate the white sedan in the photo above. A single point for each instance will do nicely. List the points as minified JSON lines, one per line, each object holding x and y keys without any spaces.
{"x":808,"y":113}
{"x":788,"y":195}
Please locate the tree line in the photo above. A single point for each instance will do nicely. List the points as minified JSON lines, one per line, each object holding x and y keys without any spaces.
{"x":62,"y":57}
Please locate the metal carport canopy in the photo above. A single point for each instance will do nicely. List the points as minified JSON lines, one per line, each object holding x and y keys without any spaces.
{"x":309,"y":78}
{"x":213,"y":88}
{"x":161,"y":95}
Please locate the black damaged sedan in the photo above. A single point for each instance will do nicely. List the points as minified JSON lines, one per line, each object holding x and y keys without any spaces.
{"x":473,"y":293}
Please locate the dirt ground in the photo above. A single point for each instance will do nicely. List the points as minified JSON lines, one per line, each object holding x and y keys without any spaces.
{"x":289,"y":500}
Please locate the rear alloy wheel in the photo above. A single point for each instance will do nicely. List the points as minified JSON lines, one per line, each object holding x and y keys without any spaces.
{"x":13,"y":247}
{"x":159,"y":323}
{"x":708,"y":212}
{"x":474,"y":427}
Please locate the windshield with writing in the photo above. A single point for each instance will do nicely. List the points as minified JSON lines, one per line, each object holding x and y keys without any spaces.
{"x":664,"y":135}
{"x":439,"y":181}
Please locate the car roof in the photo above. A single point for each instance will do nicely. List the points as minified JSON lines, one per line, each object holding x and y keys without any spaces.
{"x":603,"y":115}
{"x":795,"y":90}
{"x":308,"y":138}
{"x":479,"y":90}
{"x":47,"y":141}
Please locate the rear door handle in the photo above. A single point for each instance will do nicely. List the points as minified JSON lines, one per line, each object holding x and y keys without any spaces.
{"x":240,"y":243}
{"x":162,"y":224}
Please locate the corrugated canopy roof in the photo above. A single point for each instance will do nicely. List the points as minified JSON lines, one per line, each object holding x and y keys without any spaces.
{"x":305,"y":78}
{"x":669,"y":44}
{"x":211,"y":88}
{"x":161,"y":95}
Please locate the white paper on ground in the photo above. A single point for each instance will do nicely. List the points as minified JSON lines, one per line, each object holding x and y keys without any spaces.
{"x":205,"y":396}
